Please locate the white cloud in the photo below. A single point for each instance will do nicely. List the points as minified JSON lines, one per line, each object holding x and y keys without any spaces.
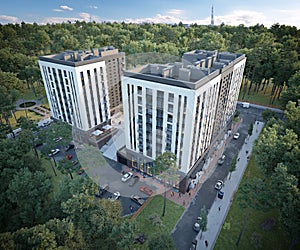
{"x":9,"y":19}
{"x":176,"y":12}
{"x":157,"y":19}
{"x":93,"y":7}
{"x":59,"y":20}
{"x":82,"y":17}
{"x":57,"y":10}
{"x":65,"y":7}
{"x":88,"y":17}
{"x":237,"y":17}
{"x":287,"y":17}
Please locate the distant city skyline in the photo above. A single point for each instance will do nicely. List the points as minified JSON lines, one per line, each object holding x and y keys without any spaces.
{"x":234,"y":12}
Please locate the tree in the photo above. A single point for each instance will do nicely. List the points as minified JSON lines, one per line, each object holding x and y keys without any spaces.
{"x":287,"y":196}
{"x":123,"y":234}
{"x":165,"y":164}
{"x":54,"y":234}
{"x":292,"y":114}
{"x":273,"y":143}
{"x":7,"y":104}
{"x":161,"y":241}
{"x":203,"y":220}
{"x":90,"y":216}
{"x":67,"y":188}
{"x":59,"y":135}
{"x":211,"y":40}
{"x":29,"y":191}
{"x":233,"y":165}
{"x":250,"y":130}
{"x":164,"y":161}
{"x":7,"y":241}
{"x":293,"y":91}
{"x":66,"y":167}
{"x":253,"y":194}
{"x":28,"y":127}
{"x":66,"y":234}
{"x":267,"y":114}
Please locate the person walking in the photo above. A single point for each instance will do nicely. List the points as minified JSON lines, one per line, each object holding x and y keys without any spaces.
{"x":206,"y":243}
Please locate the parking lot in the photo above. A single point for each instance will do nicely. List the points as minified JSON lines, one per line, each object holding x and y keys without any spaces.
{"x":104,"y":171}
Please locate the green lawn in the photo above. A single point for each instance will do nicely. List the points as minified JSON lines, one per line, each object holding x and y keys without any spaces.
{"x":31,"y":115}
{"x":262,"y":97}
{"x":276,"y":238}
{"x":55,"y":179}
{"x":172,"y":215}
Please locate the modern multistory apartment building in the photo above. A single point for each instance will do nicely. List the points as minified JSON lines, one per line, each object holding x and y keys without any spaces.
{"x":231,"y":77}
{"x":176,"y":107}
{"x":80,"y":85}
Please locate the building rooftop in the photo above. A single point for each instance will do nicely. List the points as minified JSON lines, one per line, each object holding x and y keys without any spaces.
{"x":81,"y":57}
{"x":197,"y":67}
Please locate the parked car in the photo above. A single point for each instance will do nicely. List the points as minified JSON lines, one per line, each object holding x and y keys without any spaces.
{"x":146,"y":190}
{"x":69,"y":147}
{"x":221,"y":160}
{"x":196,"y":226}
{"x":53,"y":152}
{"x":137,"y":199}
{"x":127,"y":176}
{"x":69,"y":157}
{"x":81,"y":171}
{"x":194,"y":245}
{"x":133,"y":181}
{"x":74,"y":162}
{"x":46,"y":123}
{"x":102,"y":190}
{"x":57,"y":139}
{"x":246,"y":105}
{"x":115,"y":196}
{"x":38,"y":142}
{"x":236,"y":136}
{"x":219,"y":185}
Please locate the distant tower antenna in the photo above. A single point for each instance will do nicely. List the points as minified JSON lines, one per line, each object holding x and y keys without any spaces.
{"x":212,"y":22}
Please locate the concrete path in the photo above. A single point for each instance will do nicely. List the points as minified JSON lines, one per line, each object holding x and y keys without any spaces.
{"x":220,"y":208}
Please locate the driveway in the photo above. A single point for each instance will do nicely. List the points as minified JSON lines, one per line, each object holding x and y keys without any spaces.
{"x":183,"y":234}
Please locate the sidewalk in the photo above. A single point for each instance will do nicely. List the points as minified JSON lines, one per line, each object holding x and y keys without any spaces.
{"x":220,"y":208}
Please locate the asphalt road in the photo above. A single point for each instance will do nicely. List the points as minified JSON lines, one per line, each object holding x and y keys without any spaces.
{"x":184,"y":234}
{"x":112,"y":176}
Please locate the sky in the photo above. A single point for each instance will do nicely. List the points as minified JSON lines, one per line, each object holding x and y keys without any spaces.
{"x":230,"y":12}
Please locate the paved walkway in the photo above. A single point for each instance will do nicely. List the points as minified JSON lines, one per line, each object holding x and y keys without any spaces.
{"x":220,"y":208}
{"x":37,"y":108}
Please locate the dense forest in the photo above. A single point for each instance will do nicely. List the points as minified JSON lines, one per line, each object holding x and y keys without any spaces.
{"x":272,"y":53}
{"x":35,"y":215}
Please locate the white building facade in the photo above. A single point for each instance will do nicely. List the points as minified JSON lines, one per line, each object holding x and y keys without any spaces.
{"x":76,"y":89}
{"x":173,"y":108}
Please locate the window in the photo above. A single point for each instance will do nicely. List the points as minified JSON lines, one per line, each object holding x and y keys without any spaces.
{"x":140,"y":109}
{"x":171,"y":97}
{"x":139,"y":100}
{"x":139,"y":88}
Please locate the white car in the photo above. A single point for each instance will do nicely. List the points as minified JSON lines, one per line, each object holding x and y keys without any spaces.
{"x":137,"y":199}
{"x":127,"y":176}
{"x":54,"y":152}
{"x":222,"y":159}
{"x":115,"y":196}
{"x":236,"y":136}
{"x":219,"y":185}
